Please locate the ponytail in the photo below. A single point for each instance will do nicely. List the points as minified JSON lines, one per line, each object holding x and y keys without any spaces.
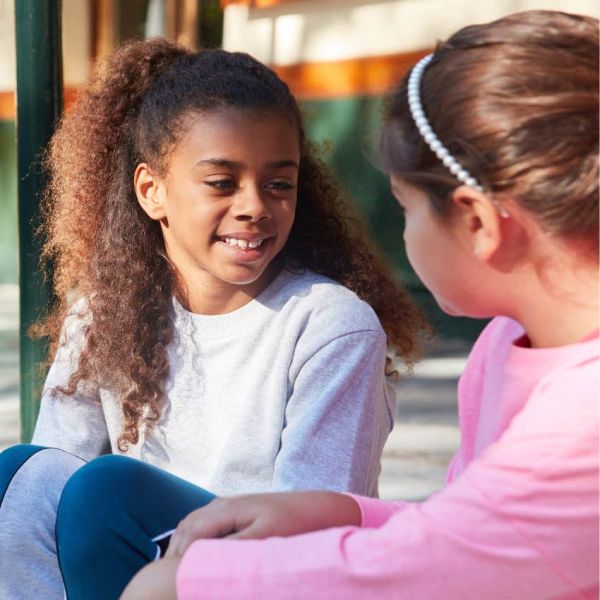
{"x":97,"y":240}
{"x":83,"y":153}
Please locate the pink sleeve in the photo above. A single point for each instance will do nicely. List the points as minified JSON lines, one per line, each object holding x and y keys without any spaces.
{"x":520,"y":522}
{"x":374,"y":512}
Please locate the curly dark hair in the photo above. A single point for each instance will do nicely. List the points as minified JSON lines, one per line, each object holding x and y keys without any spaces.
{"x":104,"y":248}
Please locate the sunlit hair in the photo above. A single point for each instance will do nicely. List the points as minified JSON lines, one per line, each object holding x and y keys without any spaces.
{"x":516,"y":103}
{"x":104,"y":249}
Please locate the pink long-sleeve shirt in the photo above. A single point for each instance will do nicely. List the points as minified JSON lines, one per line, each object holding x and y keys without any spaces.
{"x":518,"y":518}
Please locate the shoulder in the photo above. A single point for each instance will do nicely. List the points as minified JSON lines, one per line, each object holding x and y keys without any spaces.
{"x":320,"y":301}
{"x":78,"y":316}
{"x":562,"y":407}
{"x":557,"y":430}
{"x":575,"y":386}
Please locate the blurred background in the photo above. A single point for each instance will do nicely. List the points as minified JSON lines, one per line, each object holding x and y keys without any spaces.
{"x":339,"y":57}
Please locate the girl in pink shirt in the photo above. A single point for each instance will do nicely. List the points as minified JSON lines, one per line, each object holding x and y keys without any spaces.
{"x":491,"y":144}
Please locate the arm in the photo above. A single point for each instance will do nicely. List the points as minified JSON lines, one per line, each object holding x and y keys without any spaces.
{"x":338,"y":417}
{"x":521,"y":521}
{"x":74,"y":423}
{"x":337,"y":420}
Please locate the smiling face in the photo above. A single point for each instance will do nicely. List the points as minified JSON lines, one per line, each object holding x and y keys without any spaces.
{"x":227,"y":202}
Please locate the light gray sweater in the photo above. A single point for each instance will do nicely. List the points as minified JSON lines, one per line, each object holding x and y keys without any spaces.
{"x":287,"y":392}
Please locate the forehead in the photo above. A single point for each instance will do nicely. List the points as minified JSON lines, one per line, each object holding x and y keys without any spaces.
{"x":237,"y":135}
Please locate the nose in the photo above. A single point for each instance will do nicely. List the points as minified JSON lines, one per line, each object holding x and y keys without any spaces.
{"x":251,"y":206}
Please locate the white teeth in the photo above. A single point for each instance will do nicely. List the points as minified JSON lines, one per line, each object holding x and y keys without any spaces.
{"x":243,"y":244}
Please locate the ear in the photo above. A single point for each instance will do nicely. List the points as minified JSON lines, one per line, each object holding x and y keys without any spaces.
{"x":150,"y":191}
{"x":480,"y":219}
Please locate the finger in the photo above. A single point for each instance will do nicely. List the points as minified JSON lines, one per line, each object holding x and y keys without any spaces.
{"x":205,"y":525}
{"x":254,"y":530}
{"x":174,"y":549}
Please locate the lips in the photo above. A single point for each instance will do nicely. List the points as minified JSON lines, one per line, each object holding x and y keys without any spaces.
{"x":243,"y":244}
{"x":244,"y":241}
{"x":246,"y":245}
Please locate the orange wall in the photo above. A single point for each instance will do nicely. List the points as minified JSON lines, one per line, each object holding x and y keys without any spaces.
{"x":356,"y":77}
{"x":7,"y":103}
{"x":308,"y":81}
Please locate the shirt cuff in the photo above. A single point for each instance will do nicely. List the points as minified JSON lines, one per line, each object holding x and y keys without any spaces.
{"x":213,"y":566}
{"x":375,"y":512}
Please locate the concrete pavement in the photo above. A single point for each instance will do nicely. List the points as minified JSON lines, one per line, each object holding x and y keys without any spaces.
{"x":417,"y":452}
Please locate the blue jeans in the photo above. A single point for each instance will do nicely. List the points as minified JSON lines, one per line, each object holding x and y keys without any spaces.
{"x":111,"y":517}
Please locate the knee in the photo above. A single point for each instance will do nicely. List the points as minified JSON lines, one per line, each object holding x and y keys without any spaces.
{"x":90,"y":495}
{"x":36,"y":468}
{"x":96,"y":483}
{"x":31,"y":482}
{"x":13,"y":458}
{"x":89,"y":510}
{"x":18,"y":450}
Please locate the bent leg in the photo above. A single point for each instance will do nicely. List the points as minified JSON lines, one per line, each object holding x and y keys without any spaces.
{"x":110,"y":512}
{"x":31,"y":482}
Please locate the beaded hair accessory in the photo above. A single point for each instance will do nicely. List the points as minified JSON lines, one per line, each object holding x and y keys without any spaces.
{"x":431,"y":139}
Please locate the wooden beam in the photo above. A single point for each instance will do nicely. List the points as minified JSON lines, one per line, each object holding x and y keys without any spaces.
{"x":103,"y":32}
{"x":187,"y":33}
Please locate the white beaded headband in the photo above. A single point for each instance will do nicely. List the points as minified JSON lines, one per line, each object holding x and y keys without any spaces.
{"x":432,"y":140}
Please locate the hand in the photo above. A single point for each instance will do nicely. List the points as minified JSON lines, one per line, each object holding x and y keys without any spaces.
{"x":264,"y":515}
{"x":156,"y":581}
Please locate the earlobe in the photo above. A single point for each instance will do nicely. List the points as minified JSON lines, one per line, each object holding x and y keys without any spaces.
{"x":149,"y":190}
{"x":480,"y":219}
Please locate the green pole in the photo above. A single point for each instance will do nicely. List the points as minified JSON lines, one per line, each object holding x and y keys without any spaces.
{"x":39,"y":104}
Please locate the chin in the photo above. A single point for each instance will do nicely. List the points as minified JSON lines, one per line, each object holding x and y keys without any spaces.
{"x":451,"y":310}
{"x":243,"y":278}
{"x":452,"y":313}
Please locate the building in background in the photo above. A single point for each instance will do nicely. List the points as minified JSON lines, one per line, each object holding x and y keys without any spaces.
{"x":339,"y":57}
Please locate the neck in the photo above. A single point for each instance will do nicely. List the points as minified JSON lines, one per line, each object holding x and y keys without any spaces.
{"x":208,"y":296}
{"x":562,"y":308}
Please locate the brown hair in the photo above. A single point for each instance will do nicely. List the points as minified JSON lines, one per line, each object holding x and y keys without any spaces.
{"x":103,"y":247}
{"x":515,"y":101}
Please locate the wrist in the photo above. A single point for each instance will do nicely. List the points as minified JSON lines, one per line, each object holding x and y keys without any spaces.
{"x":339,"y":510}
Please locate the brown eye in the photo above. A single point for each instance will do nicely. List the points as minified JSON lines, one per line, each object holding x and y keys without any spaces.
{"x":280,"y":185}
{"x":222,"y":184}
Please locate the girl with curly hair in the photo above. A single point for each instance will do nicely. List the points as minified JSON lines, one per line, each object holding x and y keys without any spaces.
{"x":220,"y":315}
{"x":492,"y":147}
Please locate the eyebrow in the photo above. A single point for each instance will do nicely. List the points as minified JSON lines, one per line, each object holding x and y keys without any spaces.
{"x":231,"y":164}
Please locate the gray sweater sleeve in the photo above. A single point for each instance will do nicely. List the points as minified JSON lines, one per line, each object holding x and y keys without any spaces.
{"x":74,"y":423}
{"x":338,"y":418}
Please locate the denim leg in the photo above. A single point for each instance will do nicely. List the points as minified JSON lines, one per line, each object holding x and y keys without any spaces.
{"x":31,"y":481}
{"x":109,"y":514}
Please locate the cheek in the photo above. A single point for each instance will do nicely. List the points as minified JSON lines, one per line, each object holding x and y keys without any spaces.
{"x":291,"y":212}
{"x":426,"y":251}
{"x":286,"y":214}
{"x":412,"y":242}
